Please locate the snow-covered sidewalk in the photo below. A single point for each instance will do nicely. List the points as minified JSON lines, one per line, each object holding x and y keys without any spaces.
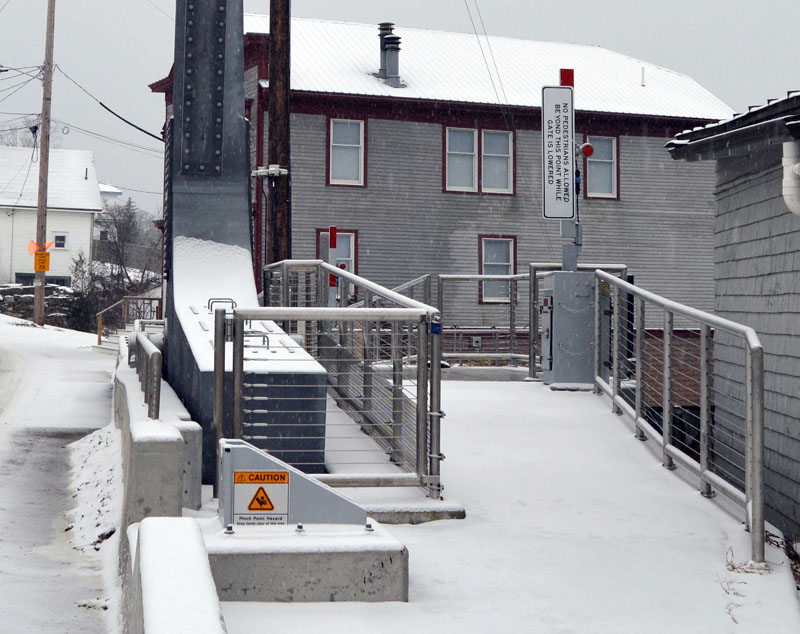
{"x":572,"y":525}
{"x":53,"y":389}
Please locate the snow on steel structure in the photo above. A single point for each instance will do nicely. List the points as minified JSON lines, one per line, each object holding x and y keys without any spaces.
{"x":207,"y":205}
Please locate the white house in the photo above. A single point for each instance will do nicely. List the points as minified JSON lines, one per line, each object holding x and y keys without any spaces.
{"x":73,"y":201}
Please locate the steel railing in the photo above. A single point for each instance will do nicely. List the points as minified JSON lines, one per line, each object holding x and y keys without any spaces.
{"x":696,"y":387}
{"x":380,"y":407}
{"x":146,"y":357}
{"x":130,"y":309}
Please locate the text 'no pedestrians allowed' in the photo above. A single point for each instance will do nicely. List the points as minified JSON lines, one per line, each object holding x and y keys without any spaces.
{"x":260,"y":497}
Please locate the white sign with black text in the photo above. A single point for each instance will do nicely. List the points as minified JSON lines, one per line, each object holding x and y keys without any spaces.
{"x":558,"y":141}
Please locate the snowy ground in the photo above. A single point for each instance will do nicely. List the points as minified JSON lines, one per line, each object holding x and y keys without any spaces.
{"x":572,"y":526}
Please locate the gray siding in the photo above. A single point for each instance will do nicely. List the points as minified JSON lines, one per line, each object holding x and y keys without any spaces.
{"x":757,"y":272}
{"x":661,"y":226}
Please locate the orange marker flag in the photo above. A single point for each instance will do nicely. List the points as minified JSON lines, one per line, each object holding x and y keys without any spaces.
{"x":32,"y":247}
{"x":47,"y":245}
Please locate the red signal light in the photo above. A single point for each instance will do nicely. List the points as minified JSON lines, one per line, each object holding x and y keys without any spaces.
{"x":587,"y":149}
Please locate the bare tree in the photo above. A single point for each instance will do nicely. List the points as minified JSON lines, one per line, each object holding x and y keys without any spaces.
{"x":25,"y":133}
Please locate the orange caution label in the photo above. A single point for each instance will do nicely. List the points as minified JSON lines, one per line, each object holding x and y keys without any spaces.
{"x":261,"y":477}
{"x":261,"y":501}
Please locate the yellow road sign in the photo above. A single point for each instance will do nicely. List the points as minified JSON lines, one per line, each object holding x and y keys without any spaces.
{"x":41,"y":261}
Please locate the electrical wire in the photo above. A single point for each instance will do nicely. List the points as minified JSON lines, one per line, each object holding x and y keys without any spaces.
{"x":5,"y":4}
{"x":503,"y":103}
{"x":105,"y":107}
{"x":143,"y":149}
{"x":19,"y":87}
{"x":159,"y":9}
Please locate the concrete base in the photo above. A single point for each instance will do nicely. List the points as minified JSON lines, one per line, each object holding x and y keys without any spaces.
{"x":425,"y":511}
{"x":321,"y":562}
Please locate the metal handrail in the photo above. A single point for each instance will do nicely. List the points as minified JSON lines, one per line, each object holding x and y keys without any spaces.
{"x":124,"y":300}
{"x":148,"y":368}
{"x":752,"y":498}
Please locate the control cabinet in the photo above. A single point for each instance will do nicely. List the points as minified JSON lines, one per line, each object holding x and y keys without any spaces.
{"x":567,"y":323}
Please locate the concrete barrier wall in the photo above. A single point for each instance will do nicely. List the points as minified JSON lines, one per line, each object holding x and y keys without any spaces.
{"x":161,"y":459}
{"x":172,"y":587}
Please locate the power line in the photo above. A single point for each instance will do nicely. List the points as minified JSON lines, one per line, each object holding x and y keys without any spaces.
{"x":157,"y":8}
{"x":503,"y":103}
{"x":5,"y":4}
{"x":154,"y":152}
{"x":140,"y":191}
{"x":105,"y":107}
{"x":19,"y":87}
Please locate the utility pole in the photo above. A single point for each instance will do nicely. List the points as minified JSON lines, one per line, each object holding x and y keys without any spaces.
{"x":279,"y":217}
{"x":44,"y":162}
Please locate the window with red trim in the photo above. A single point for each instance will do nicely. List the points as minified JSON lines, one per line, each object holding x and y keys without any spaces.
{"x":498,"y":256}
{"x":479,"y":162}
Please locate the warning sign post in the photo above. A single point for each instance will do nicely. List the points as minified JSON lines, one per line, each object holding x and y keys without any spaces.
{"x":260,"y":497}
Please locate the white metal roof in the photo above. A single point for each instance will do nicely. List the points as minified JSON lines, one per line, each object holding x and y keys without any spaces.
{"x":340,"y":57}
{"x":72,"y":180}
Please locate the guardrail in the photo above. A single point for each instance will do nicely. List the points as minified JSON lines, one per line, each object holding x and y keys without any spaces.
{"x":130,"y":309}
{"x":382,"y":361}
{"x":705,"y":410}
{"x":146,"y":357}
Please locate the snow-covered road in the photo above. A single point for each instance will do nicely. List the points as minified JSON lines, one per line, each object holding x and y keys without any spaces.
{"x":53,"y":390}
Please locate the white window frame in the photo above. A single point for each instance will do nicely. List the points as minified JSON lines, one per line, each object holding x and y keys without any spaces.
{"x":360,"y":180}
{"x":486,"y":299}
{"x":57,"y":235}
{"x":455,"y":188}
{"x":614,"y":161}
{"x":509,"y":157}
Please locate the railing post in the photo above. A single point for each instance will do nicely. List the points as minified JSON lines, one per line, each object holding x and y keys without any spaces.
{"x":639,"y":343}
{"x":512,"y":318}
{"x":666,"y":405}
{"x":705,"y":406}
{"x":440,"y":296}
{"x":367,"y":354}
{"x":99,"y":329}
{"x":616,"y":344}
{"x":426,"y":289}
{"x":533,"y":321}
{"x":154,"y":387}
{"x":422,"y":397}
{"x":397,"y":393}
{"x":755,"y":448}
{"x":238,"y":374}
{"x":598,"y":345}
{"x":219,"y":388}
{"x":436,"y":414}
{"x":126,"y":309}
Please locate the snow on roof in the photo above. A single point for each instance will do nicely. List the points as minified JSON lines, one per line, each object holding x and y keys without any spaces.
{"x":109,"y":190}
{"x":72,"y":181}
{"x":339,"y":57}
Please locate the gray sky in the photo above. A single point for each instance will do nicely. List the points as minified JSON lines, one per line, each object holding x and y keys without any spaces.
{"x":741,"y":50}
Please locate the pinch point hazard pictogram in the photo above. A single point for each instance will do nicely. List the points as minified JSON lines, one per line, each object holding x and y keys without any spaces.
{"x":260,"y":501}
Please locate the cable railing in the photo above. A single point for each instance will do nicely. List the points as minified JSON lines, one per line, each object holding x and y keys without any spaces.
{"x":348,"y":391}
{"x":695,"y":386}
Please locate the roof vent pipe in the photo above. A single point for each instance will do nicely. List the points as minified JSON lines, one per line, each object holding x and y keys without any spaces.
{"x":791,"y":175}
{"x":384,"y":29}
{"x":393,"y":60}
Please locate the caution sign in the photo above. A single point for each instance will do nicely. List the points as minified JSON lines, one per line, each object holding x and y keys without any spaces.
{"x":41,"y":261}
{"x":260,"y":497}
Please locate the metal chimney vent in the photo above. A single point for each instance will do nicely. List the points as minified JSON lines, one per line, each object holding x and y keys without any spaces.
{"x":393,"y":60}
{"x":384,"y":29}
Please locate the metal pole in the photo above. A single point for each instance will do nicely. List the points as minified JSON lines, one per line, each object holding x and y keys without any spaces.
{"x":705,"y":412}
{"x":666,"y":415}
{"x":426,"y":289}
{"x":638,"y":319}
{"x":512,"y":317}
{"x":238,"y":373}
{"x":598,"y":345}
{"x":755,"y":411}
{"x":219,"y":388}
{"x":154,"y":404}
{"x":44,"y":162}
{"x":397,"y":393}
{"x":533,"y":322}
{"x":440,"y":296}
{"x":367,"y":355}
{"x":422,"y":397}
{"x":436,"y":414}
{"x":616,"y":344}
